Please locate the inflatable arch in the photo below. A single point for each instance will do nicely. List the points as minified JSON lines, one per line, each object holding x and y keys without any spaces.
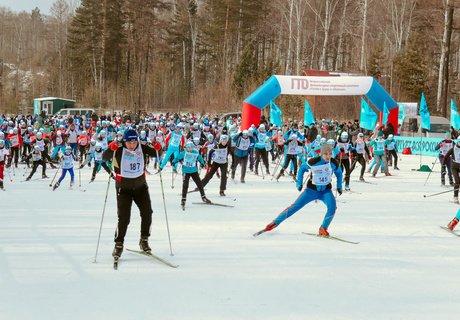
{"x":317,"y":86}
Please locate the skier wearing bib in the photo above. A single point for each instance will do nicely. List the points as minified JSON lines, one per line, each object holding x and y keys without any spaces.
{"x":290,"y":155}
{"x":444,"y":146}
{"x":379,"y":154}
{"x":67,"y":166}
{"x":15,"y":141}
{"x":344,"y":147}
{"x":260,"y":151}
{"x":454,"y":154}
{"x":129,"y":167}
{"x":392,"y":152}
{"x":219,"y":154}
{"x":37,"y":159}
{"x":360,"y":149}
{"x":175,"y":141}
{"x":4,"y":153}
{"x":319,"y":187}
{"x":190,"y":157}
{"x":243,"y":141}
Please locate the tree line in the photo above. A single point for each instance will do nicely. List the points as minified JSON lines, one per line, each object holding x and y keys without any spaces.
{"x":208,"y":55}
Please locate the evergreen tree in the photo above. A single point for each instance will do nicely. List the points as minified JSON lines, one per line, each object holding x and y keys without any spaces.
{"x":411,"y":69}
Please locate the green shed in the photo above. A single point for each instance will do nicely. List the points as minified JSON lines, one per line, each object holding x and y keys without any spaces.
{"x":51,"y":105}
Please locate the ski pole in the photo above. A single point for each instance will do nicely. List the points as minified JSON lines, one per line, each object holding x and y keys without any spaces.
{"x":55,"y":174}
{"x":277,"y":166}
{"x":157,"y":147}
{"x":431,"y":171}
{"x":25,"y":171}
{"x":435,"y":194}
{"x":79,"y":177}
{"x":102,"y":218}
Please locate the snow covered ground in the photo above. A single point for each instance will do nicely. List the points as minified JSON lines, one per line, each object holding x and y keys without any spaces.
{"x":405,"y":266}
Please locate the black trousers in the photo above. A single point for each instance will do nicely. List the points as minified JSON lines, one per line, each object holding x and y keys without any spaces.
{"x":97,"y":166}
{"x":125,"y":198}
{"x":359,"y":159}
{"x":445,"y":164}
{"x":35,"y":166}
{"x":455,"y":174}
{"x":14,"y":153}
{"x":223,"y":177}
{"x":243,"y":162}
{"x":196,"y":178}
{"x":345,"y":165}
{"x":261,"y":153}
{"x":393,"y":154}
{"x":288,"y":158}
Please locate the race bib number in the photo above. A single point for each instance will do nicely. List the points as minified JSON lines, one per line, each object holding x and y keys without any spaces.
{"x":132,"y":163}
{"x":292,"y":148}
{"x":322,"y":174}
{"x":14,"y":140}
{"x":190,"y":159}
{"x":244,"y":144}
{"x":445,"y":148}
{"x":220,"y":155}
{"x":456,"y":154}
{"x":380,"y":146}
{"x":175,"y":140}
{"x":67,"y":162}
{"x":360,"y":147}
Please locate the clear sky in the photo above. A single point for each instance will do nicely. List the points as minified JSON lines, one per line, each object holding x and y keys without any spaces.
{"x":27,"y":5}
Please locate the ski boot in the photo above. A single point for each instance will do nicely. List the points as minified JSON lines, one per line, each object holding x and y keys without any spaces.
{"x":242,"y":180}
{"x":280,"y":174}
{"x":56,"y":186}
{"x":44,"y":176}
{"x":182,"y":204}
{"x":452,"y":224}
{"x":361,"y":178}
{"x":396,"y":168}
{"x":455,"y":200}
{"x":28,"y":178}
{"x":271,"y":226}
{"x":323,"y":232}
{"x":388,"y":174}
{"x":144,"y":244}
{"x":222,"y":193}
{"x":71,"y":183}
{"x":443,"y":182}
{"x":205,"y":200}
{"x":117,"y":250}
{"x":347,"y":187}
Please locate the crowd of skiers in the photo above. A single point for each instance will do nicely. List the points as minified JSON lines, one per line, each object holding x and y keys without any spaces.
{"x":217,"y":146}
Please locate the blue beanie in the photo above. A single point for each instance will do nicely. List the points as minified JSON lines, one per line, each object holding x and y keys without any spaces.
{"x":130,"y":135}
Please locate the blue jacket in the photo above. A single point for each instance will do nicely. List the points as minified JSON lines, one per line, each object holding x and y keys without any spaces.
{"x":314,"y":162}
{"x":190,"y":159}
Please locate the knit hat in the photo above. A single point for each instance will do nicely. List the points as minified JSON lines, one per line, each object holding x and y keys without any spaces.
{"x":326,"y":148}
{"x":130,"y":135}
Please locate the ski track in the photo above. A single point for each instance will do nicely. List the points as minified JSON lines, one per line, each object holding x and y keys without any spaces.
{"x":405,"y":266}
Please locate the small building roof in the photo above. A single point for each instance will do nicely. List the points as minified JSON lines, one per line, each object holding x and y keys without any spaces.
{"x":52,"y":98}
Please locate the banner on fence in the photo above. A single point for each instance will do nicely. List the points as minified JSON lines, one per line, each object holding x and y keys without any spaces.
{"x":426,"y":145}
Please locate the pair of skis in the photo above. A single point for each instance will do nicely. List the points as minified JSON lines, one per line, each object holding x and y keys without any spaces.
{"x":313,"y":234}
{"x":147,"y":254}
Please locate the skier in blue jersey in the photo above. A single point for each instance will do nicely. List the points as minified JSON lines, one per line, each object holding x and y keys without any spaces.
{"x":175,"y":141}
{"x":319,"y":187}
{"x":190,"y":157}
{"x":67,"y":166}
